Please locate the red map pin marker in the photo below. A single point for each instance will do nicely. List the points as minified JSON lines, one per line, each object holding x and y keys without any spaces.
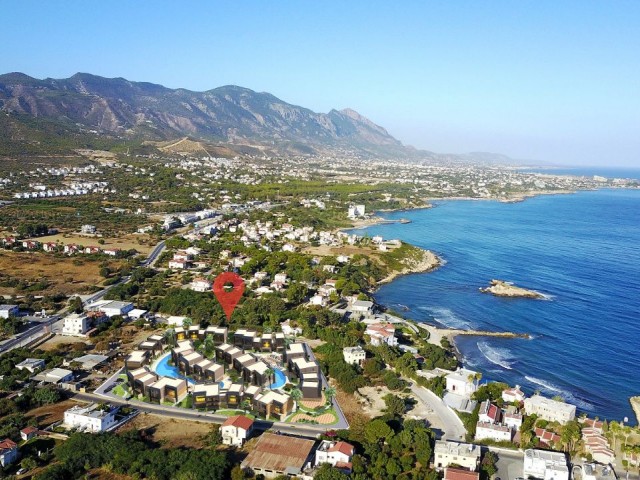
{"x":228,"y":298}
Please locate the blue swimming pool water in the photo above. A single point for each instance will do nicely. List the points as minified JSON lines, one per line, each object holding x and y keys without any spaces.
{"x":164,"y":369}
{"x":281,"y":379}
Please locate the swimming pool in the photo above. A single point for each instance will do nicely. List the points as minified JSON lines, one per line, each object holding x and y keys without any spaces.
{"x":281,"y":379}
{"x":163,"y":369}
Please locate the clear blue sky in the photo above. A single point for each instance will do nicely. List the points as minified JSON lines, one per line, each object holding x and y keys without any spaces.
{"x":556,"y":81}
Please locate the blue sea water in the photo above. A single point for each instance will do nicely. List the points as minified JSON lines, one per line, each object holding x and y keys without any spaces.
{"x":608,"y":172}
{"x":582,"y":250}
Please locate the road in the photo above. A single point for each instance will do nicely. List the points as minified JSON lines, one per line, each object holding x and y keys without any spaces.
{"x":30,"y":334}
{"x":36,"y":331}
{"x":309,"y":431}
{"x":452,"y":425}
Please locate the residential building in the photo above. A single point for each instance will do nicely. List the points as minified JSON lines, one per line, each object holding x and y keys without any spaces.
{"x":275,"y":455}
{"x":28,"y":433}
{"x":273,"y":404}
{"x":137,"y":359}
{"x":354,"y":355}
{"x":206,"y":396}
{"x":55,"y":376}
{"x":7,"y":311}
{"x":31,"y":364}
{"x":91,"y":418}
{"x":550,"y":410}
{"x":451,"y":473}
{"x":381,"y":333}
{"x":141,"y":379}
{"x":545,"y":465}
{"x":465,"y":455}
{"x":337,"y":454}
{"x":76,"y":324}
{"x":489,"y":413}
{"x":167,"y":389}
{"x":362,"y":307}
{"x":201,"y":285}
{"x":235,"y":430}
{"x":8,"y":452}
{"x":511,"y":395}
{"x":513,"y":420}
{"x":462,"y":381}
{"x":493,"y":431}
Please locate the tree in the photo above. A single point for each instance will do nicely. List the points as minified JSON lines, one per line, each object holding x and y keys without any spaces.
{"x":394,"y":405}
{"x":46,"y":396}
{"x":296,"y":395}
{"x":570,"y":435}
{"x":327,"y":472}
{"x":187,"y":322}
{"x":237,"y":473}
{"x":329,"y":394}
{"x":76,"y":305}
{"x":269,"y":373}
{"x":170,"y":337}
{"x":377,"y":430}
{"x":245,"y":405}
{"x":488,"y":464}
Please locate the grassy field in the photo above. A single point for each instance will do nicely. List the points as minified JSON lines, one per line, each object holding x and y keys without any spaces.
{"x":141,"y":243}
{"x":170,"y":432}
{"x":62,"y":274}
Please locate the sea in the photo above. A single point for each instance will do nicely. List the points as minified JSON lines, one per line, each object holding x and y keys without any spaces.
{"x":581,"y":250}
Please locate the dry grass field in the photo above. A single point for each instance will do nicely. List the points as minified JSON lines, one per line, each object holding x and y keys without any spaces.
{"x":63,"y":274}
{"x":170,"y":432}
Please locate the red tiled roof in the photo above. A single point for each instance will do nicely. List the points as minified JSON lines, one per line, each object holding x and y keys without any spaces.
{"x":546,"y":436}
{"x":28,"y":430}
{"x":342,"y":447}
{"x":460,"y":474}
{"x":8,"y":444}
{"x":239,"y":421}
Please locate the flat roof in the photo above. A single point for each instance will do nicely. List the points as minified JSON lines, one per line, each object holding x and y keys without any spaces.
{"x":91,"y":360}
{"x":279,"y":453}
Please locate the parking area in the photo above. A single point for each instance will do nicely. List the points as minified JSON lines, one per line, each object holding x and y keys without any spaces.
{"x":510,"y":464}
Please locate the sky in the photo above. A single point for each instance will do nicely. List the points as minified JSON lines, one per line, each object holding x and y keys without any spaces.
{"x":547,"y":81}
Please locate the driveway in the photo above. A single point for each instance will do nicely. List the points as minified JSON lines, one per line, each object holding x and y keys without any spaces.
{"x":453,"y":429}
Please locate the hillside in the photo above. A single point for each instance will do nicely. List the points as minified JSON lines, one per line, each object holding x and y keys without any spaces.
{"x":85,"y":106}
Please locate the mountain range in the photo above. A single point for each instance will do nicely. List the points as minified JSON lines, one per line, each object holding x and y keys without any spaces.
{"x":229,"y":114}
{"x":56,"y":116}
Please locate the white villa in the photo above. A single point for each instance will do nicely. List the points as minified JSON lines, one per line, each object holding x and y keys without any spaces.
{"x":449,"y":453}
{"x":462,"y":382}
{"x":354,"y":355}
{"x":90,"y":418}
{"x":551,"y":410}
{"x":545,"y":465}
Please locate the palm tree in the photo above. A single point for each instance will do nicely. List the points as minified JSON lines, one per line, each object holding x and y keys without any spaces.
{"x":170,"y":337}
{"x":296,"y":395}
{"x":208,"y":345}
{"x":187,"y":322}
{"x":269,"y":373}
{"x":329,"y":393}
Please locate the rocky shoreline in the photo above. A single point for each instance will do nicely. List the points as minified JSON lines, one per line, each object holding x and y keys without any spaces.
{"x":500,"y":288}
{"x":429,"y":261}
{"x":635,"y":405}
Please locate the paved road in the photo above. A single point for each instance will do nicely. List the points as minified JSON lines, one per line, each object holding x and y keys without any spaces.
{"x":196,"y":416}
{"x":510,"y":463}
{"x":31,"y":334}
{"x":452,"y":425}
{"x":153,"y":256}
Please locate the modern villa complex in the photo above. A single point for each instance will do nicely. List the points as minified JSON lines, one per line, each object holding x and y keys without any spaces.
{"x":249,"y":373}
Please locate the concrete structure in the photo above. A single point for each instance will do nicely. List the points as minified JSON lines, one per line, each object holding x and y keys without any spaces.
{"x":28,"y":433}
{"x":551,"y":410}
{"x":354,"y":355}
{"x":111,"y":308}
{"x":200,"y":285}
{"x":275,"y":455}
{"x":489,"y":413}
{"x":31,"y":364}
{"x":206,"y":396}
{"x":493,"y":431}
{"x":167,"y":389}
{"x":137,"y":359}
{"x":76,"y":324}
{"x":545,"y":465}
{"x":289,"y":329}
{"x":465,"y":455}
{"x":90,"y":418}
{"x":236,"y":430}
{"x":362,"y":307}
{"x":7,"y":311}
{"x":54,"y":375}
{"x":337,"y":454}
{"x":462,"y":382}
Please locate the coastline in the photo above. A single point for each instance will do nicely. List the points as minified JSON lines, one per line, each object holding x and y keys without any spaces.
{"x":635,"y":406}
{"x":429,"y":262}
